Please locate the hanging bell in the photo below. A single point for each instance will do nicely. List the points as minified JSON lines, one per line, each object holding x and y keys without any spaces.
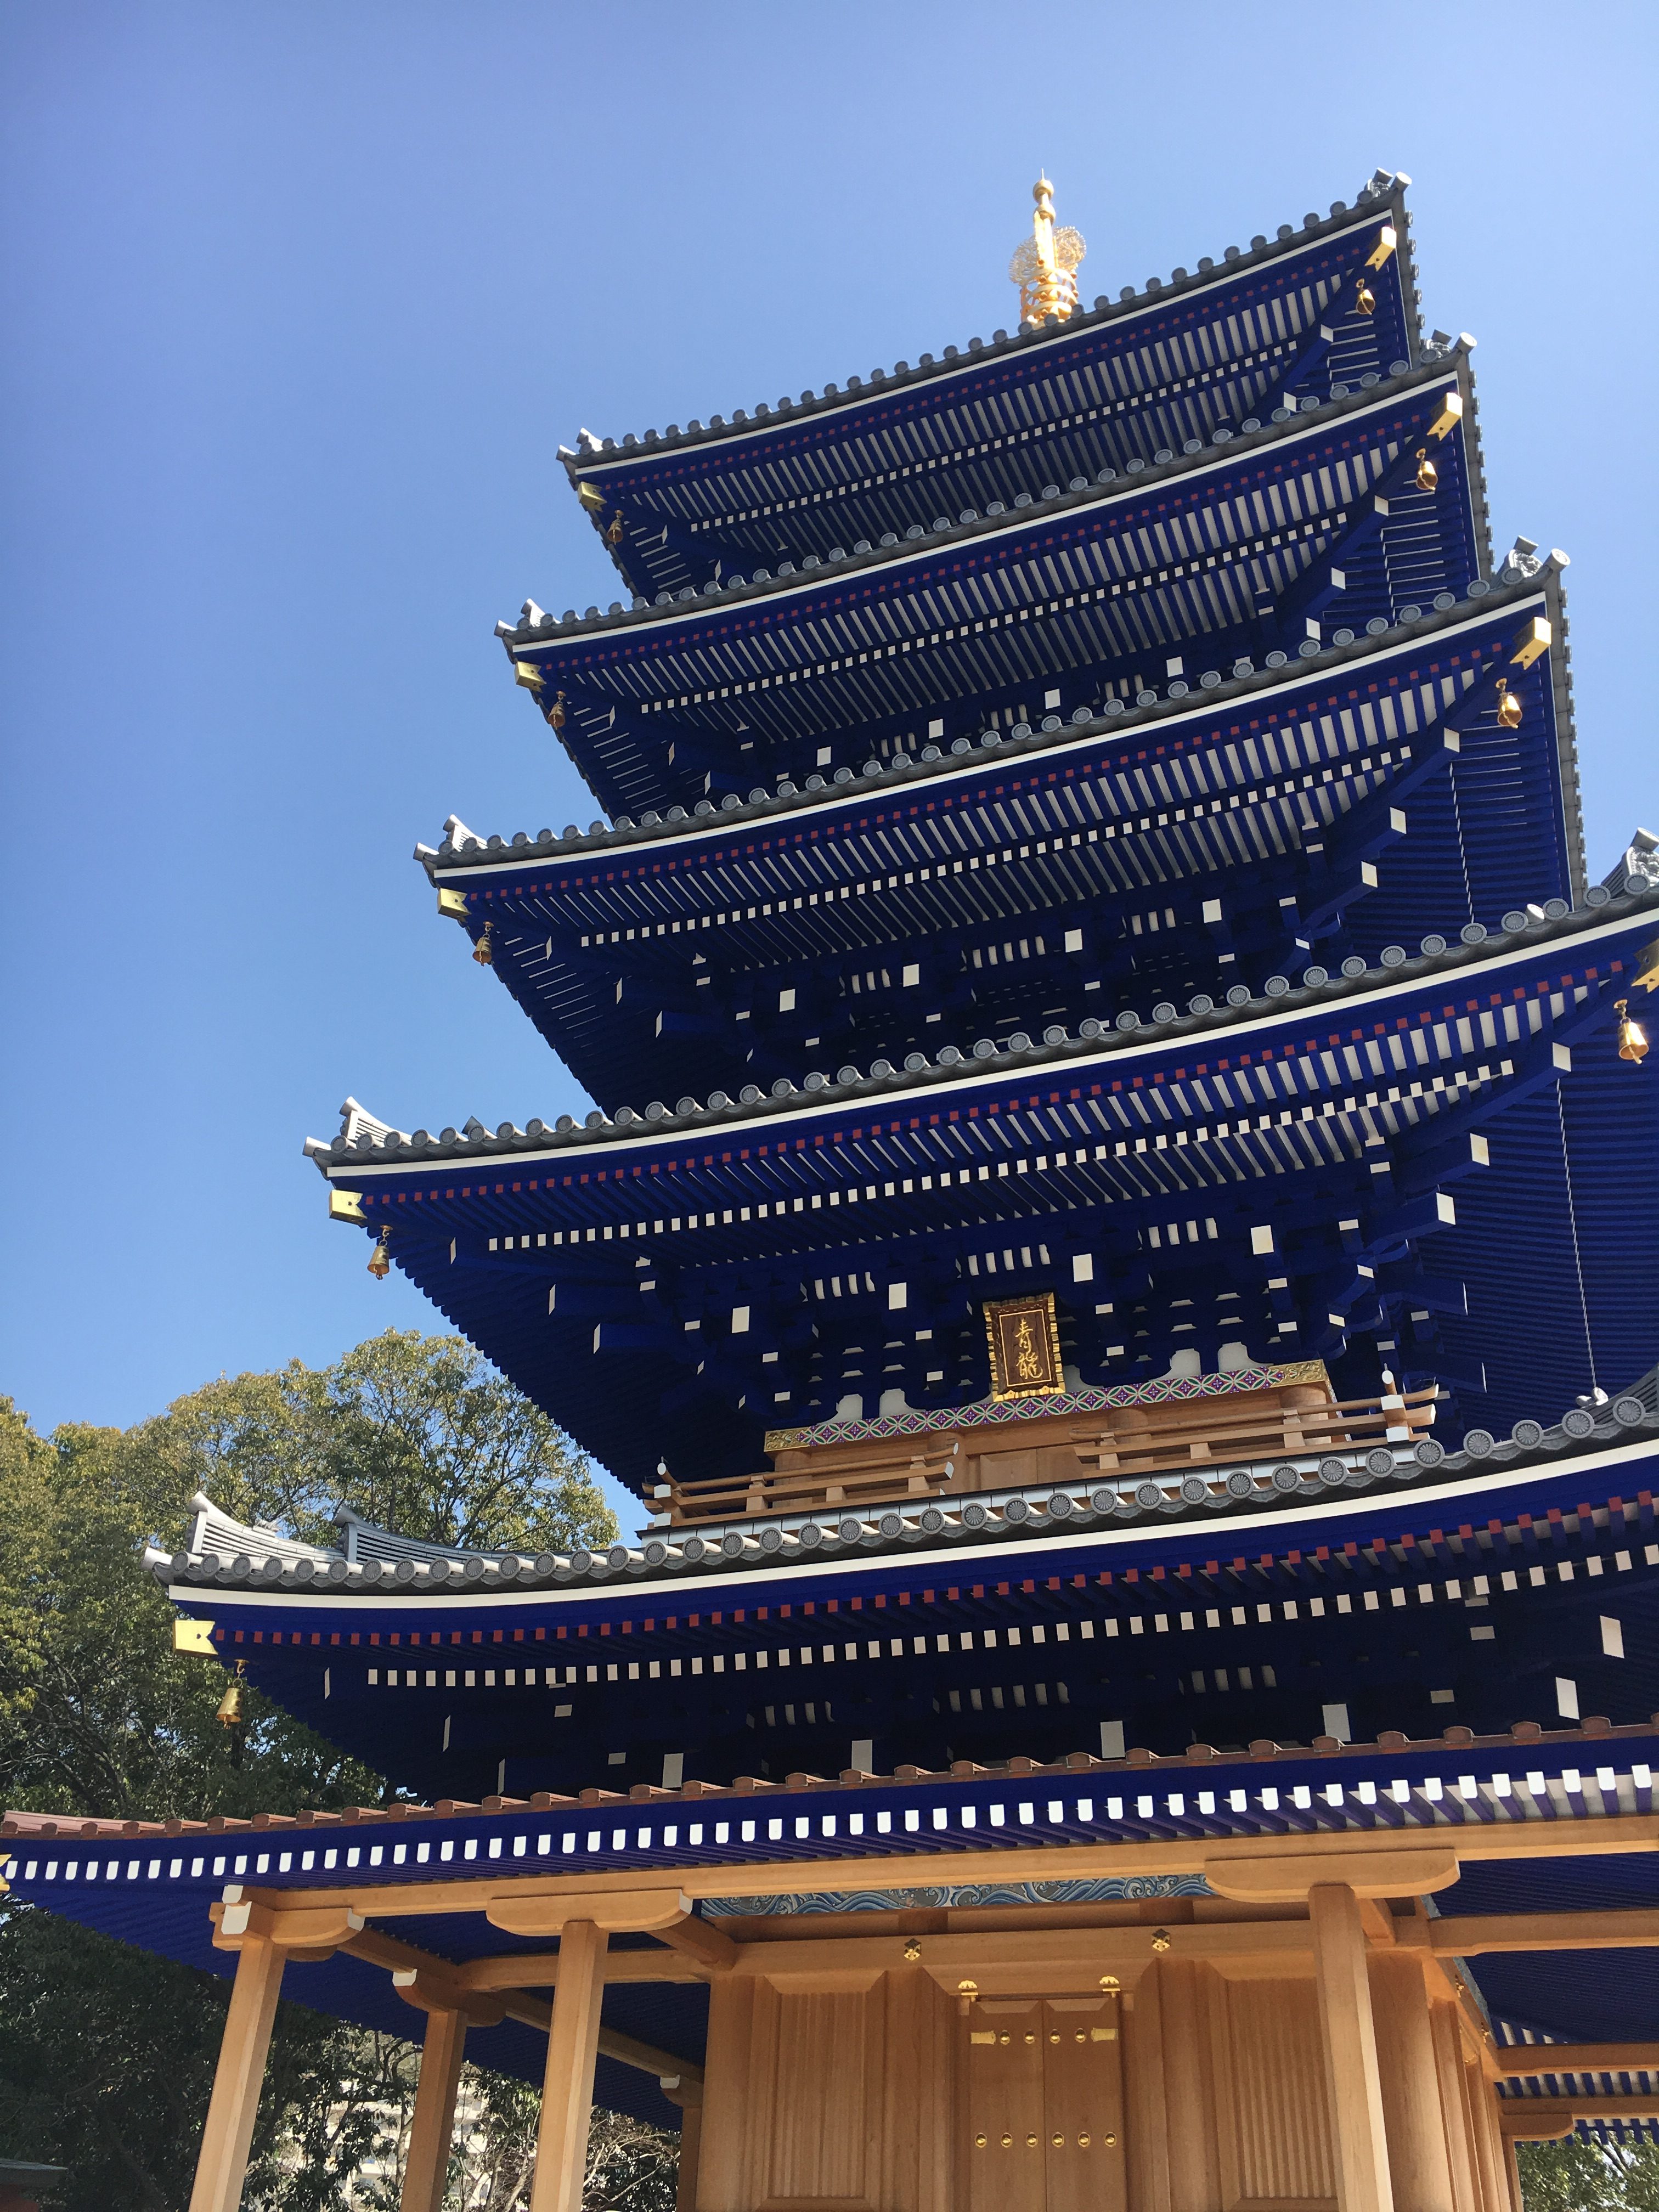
{"x":555,"y":713}
{"x":229,"y":1714}
{"x":1427,"y":475}
{"x":484,"y":951}
{"x":613,"y":535}
{"x":380,"y":1261}
{"x":1632,"y":1038}
{"x":1365,"y":299}
{"x":1509,"y":706}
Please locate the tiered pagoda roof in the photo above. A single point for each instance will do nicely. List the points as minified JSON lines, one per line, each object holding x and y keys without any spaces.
{"x":1067,"y":600}
{"x":1092,"y":825}
{"x":1138,"y":379}
{"x":1269,"y":1172}
{"x":1268,"y":819}
{"x":1101,"y":824}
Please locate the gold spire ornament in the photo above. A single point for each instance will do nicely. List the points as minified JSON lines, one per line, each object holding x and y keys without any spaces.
{"x":1427,"y":475}
{"x":1044,"y":265}
{"x":380,"y":1262}
{"x":1509,"y":706}
{"x":1632,"y":1038}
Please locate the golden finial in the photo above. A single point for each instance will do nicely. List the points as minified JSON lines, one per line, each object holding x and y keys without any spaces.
{"x":1044,"y":266}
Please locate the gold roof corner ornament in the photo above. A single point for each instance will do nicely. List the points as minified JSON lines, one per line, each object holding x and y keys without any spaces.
{"x":1044,"y":265}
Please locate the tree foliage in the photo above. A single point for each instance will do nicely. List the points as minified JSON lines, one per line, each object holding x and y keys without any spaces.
{"x":1578,"y":2176}
{"x":105,"y":2052}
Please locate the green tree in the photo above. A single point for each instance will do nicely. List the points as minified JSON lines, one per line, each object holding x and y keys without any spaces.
{"x":106,"y":2053}
{"x":1576,"y":2175}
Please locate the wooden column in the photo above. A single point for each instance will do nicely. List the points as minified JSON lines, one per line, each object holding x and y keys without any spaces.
{"x":1419,"y":2165}
{"x":1489,"y":2149}
{"x":1147,"y":2129}
{"x":686,"y":2199}
{"x":573,"y":2044}
{"x":1446,"y":2033}
{"x":433,"y":2129}
{"x":222,"y":2161}
{"x":1345,"y":2013}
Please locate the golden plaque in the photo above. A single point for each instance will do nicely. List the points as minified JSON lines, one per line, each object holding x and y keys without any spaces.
{"x":1024,"y":1339}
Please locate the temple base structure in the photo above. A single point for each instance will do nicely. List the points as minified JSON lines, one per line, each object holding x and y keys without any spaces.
{"x":1208,"y":2065}
{"x":1183,"y":2023}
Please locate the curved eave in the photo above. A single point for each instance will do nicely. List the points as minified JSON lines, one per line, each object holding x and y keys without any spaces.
{"x":498,"y":859}
{"x":1609,"y":921}
{"x":541,"y":643}
{"x":615,"y":463}
{"x":1493,"y":1482}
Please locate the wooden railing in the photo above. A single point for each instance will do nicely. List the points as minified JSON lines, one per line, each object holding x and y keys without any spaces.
{"x":1117,"y":1448}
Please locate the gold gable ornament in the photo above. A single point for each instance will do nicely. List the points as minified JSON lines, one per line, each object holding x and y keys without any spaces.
{"x":1024,"y":1335}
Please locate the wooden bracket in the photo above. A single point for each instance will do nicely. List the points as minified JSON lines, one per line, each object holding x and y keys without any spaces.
{"x":435,"y":1992}
{"x":307,"y":1933}
{"x":1286,"y":1879}
{"x":617,"y":1912}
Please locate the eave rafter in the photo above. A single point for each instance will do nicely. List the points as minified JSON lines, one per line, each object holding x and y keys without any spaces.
{"x":1111,"y":579}
{"x":1151,"y":1192}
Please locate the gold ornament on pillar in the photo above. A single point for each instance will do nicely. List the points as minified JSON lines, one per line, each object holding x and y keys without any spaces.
{"x":1045,"y":265}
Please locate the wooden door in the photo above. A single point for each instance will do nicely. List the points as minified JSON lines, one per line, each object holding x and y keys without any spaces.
{"x":1083,"y":2105}
{"x":1003,"y":2158}
{"x":1044,"y":2106}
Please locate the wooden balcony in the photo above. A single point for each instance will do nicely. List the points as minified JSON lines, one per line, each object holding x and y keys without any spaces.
{"x":1118,"y":1447}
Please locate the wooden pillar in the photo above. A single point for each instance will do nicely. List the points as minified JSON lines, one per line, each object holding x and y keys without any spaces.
{"x":686,"y":2199}
{"x":1488,"y":2145}
{"x":222,"y":2161}
{"x":1189,"y":2117}
{"x":1419,"y":2166}
{"x":1446,"y":2033}
{"x":433,"y":2129}
{"x":1147,"y":2128}
{"x":1345,"y":2013}
{"x":568,"y":2086}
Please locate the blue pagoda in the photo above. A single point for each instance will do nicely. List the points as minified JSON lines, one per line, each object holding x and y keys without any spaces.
{"x":1111,"y":1249}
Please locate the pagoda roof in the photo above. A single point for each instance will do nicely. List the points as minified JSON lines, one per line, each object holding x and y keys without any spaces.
{"x":1149,"y":1825}
{"x":1522,"y":577}
{"x":1121,"y":381}
{"x":1504,"y":1562}
{"x":1593,"y":1742}
{"x":600,"y":1267}
{"x":638,"y":953}
{"x":367,"y":1146}
{"x":1095,"y":586}
{"x":1107,"y":1528}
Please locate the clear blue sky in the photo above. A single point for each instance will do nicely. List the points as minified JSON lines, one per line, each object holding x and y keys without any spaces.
{"x":300,"y":301}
